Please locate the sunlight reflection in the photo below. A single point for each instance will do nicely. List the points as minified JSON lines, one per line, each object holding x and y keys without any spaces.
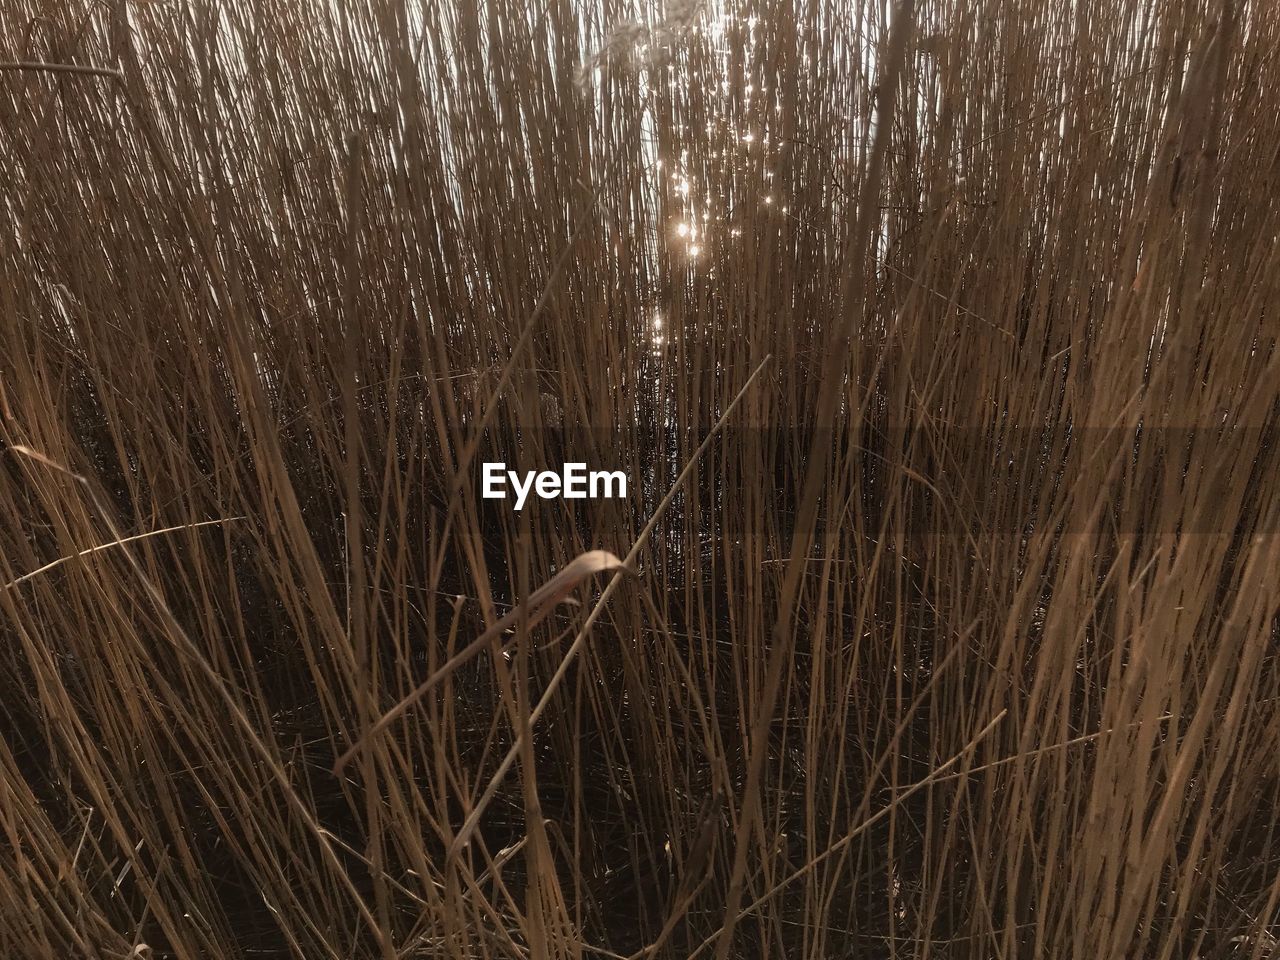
{"x":717,"y":141}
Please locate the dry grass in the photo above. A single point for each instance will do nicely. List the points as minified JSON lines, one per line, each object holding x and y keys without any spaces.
{"x":958,"y":639}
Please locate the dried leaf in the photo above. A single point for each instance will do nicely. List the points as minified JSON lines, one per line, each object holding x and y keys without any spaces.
{"x":533,"y":610}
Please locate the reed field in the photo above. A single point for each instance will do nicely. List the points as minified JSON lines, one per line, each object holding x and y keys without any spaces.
{"x":936,"y":340}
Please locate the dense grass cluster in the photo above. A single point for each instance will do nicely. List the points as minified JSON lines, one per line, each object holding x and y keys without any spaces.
{"x":938,"y":341}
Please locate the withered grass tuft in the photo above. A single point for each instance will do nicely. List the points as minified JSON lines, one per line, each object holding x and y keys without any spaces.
{"x":957,"y":640}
